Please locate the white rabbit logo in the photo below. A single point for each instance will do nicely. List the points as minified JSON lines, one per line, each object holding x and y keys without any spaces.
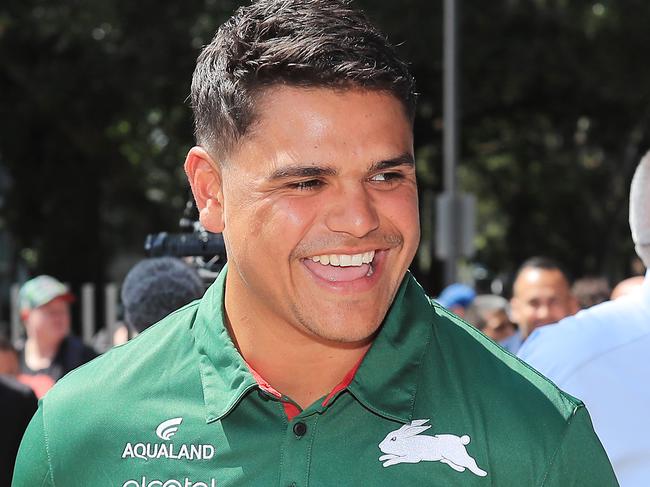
{"x":405,"y":446}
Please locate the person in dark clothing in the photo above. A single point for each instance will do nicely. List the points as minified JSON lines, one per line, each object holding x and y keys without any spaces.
{"x":18,"y":404}
{"x":50,"y":351}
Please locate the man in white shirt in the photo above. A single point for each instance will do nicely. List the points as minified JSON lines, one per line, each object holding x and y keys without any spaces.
{"x":602,"y":356}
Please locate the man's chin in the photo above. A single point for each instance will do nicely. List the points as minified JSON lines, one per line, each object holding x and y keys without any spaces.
{"x":343,"y":328}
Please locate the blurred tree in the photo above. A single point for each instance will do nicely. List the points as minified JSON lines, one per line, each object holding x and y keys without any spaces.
{"x":94,"y":123}
{"x":556,"y":113}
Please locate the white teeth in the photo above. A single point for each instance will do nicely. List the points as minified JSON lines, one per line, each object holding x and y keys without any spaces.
{"x":345,"y":260}
{"x":368,"y":256}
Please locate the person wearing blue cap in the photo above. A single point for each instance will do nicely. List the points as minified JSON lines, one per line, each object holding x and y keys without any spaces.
{"x":456,"y":298}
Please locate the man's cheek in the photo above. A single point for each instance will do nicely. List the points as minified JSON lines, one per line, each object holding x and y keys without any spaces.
{"x":295,"y":213}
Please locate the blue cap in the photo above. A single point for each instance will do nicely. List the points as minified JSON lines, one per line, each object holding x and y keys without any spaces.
{"x":456,"y":295}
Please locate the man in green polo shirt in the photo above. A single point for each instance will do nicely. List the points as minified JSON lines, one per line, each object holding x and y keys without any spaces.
{"x":315,"y":359}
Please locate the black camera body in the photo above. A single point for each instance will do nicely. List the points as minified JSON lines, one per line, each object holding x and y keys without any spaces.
{"x":205,"y":251}
{"x":203,"y":244}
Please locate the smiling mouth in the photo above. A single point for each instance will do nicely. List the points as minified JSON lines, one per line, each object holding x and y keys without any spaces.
{"x":345,"y":260}
{"x":342,"y":267}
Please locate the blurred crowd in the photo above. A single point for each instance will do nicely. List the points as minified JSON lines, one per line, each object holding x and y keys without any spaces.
{"x":542,"y":294}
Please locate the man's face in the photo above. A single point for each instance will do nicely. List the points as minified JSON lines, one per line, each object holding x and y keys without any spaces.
{"x":541,"y":297}
{"x":320,"y":213}
{"x":50,"y":322}
{"x":497,"y":324}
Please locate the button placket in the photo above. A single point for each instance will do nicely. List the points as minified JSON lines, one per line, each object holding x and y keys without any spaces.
{"x":296,"y":457}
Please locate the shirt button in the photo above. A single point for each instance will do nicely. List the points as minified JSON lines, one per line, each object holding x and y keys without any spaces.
{"x":300,"y":429}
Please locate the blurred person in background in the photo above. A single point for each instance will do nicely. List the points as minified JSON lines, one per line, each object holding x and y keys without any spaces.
{"x":628,"y":286}
{"x":602,"y":356}
{"x":50,"y":351}
{"x":155,"y":287}
{"x":18,"y":404}
{"x":457,"y":298}
{"x":591,"y":290}
{"x":491,"y":314}
{"x":151,"y":290}
{"x":541,"y":294}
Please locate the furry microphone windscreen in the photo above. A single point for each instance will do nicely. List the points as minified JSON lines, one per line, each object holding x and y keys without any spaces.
{"x":640,"y":209}
{"x":155,"y":287}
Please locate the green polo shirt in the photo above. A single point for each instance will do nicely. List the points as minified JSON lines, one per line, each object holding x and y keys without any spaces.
{"x":433,"y":402}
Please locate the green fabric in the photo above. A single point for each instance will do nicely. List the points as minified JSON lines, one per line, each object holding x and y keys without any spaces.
{"x":425,"y":368}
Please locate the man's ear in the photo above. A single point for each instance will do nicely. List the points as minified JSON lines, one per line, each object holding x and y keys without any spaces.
{"x":205,"y":179}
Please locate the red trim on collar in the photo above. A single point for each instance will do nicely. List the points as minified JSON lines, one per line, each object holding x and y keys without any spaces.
{"x":265,"y":386}
{"x":343,"y":384}
{"x":290,"y":409}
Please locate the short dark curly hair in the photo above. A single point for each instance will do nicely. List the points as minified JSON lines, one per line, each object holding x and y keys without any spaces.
{"x":310,"y":43}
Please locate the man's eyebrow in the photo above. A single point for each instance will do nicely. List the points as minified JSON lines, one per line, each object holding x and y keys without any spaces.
{"x":301,"y":172}
{"x":315,"y":171}
{"x":405,"y":159}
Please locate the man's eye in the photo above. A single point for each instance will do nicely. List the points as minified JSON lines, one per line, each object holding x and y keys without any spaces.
{"x":386,"y":176}
{"x":307,"y":185}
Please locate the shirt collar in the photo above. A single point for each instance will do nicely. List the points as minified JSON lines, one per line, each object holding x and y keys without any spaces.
{"x":385,"y":382}
{"x":388,"y":377}
{"x":224,"y":374}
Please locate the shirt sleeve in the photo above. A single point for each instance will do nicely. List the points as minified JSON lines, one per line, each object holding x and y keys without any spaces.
{"x":580,"y":460}
{"x":32,"y":464}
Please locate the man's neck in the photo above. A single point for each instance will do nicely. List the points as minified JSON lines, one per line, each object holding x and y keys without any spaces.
{"x":291,"y":360}
{"x":39,"y":353}
{"x":304,"y":374}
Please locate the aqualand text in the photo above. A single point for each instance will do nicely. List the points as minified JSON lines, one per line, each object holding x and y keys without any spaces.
{"x":146,"y":451}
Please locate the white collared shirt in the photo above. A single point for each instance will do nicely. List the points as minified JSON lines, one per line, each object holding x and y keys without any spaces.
{"x":602,"y":356}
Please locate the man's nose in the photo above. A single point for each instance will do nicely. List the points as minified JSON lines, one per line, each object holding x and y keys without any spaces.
{"x":543,"y":313}
{"x":352,"y":211}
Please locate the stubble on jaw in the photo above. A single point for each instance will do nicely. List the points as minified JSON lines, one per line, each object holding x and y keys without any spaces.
{"x":316,"y":329}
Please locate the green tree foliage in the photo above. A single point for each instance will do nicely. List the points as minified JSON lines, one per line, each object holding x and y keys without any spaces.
{"x":95,"y":123}
{"x":556,"y":117}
